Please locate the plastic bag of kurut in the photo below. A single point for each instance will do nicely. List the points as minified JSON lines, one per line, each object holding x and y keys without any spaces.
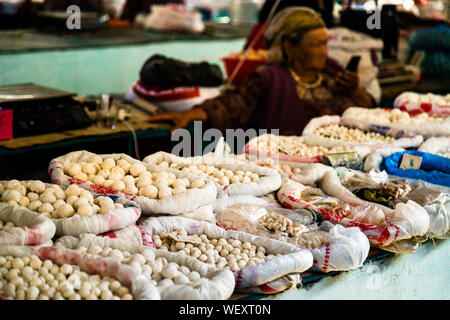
{"x":433,"y":198}
{"x":270,"y":222}
{"x":383,"y":226}
{"x":270,"y":260}
{"x":324,"y":131}
{"x":334,"y":248}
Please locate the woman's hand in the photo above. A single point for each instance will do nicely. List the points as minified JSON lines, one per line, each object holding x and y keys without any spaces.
{"x":180,"y":119}
{"x":347,"y":80}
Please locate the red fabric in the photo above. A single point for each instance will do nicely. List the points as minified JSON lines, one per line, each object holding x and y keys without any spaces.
{"x":6,"y":124}
{"x":166,"y":95}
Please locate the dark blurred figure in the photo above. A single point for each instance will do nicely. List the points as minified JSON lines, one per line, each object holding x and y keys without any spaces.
{"x":62,"y":5}
{"x":133,"y":7}
{"x":324,"y":7}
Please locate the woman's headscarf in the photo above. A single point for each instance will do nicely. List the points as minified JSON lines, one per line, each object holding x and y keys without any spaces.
{"x":292,"y":22}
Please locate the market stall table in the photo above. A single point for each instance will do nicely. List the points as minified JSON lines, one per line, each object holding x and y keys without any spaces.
{"x":17,"y":153}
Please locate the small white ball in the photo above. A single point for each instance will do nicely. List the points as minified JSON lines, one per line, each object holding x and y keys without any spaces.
{"x":37,"y":186}
{"x":73,"y":190}
{"x":58,"y":203}
{"x":136,"y":169}
{"x":108,"y":183}
{"x":198,"y":183}
{"x":88,"y":168}
{"x":79,"y":202}
{"x":128,"y":179}
{"x":149,"y":191}
{"x":118,"y":185}
{"x":104,"y":173}
{"x":13,"y":195}
{"x":117,"y":176}
{"x":46,"y":207}
{"x":131,"y":189}
{"x":165,"y":192}
{"x":95,"y":159}
{"x":13,"y":183}
{"x":47,"y":197}
{"x":71,"y":199}
{"x":179,"y":189}
{"x":34,"y":205}
{"x":32,"y":196}
{"x":98,"y":180}
{"x":24,"y":202}
{"x":108,"y":163}
{"x":74,"y":169}
{"x":65,"y":211}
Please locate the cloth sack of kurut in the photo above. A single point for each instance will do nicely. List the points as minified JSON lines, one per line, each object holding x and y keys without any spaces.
{"x":213,"y":284}
{"x":254,"y":278}
{"x":434,"y":199}
{"x":122,"y":212}
{"x":422,"y":123}
{"x":139,"y":286}
{"x":268,"y":179}
{"x":175,"y":204}
{"x":115,"y":219}
{"x":30,"y":228}
{"x":334,"y":248}
{"x":415,"y":103}
{"x":437,"y":145}
{"x":293,"y":149}
{"x":326,"y":179}
{"x":387,"y":137}
{"x":345,"y":249}
{"x":254,"y":219}
{"x":382,"y":226}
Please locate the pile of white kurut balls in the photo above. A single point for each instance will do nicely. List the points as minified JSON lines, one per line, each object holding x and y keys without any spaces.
{"x":158,"y":271}
{"x":278,"y":223}
{"x":220,"y":176}
{"x":133,"y":179}
{"x":289,"y":146}
{"x":354,"y":135}
{"x":223,"y":253}
{"x":53,"y":201}
{"x":30,"y":278}
{"x":386,"y":117}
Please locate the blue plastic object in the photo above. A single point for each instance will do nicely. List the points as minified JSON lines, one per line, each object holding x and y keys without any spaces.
{"x":433,"y":169}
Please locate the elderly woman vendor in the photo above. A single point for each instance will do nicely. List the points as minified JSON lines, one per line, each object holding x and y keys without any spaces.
{"x":298,"y":84}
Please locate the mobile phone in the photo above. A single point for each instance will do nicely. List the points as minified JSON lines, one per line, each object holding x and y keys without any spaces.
{"x":353,"y":63}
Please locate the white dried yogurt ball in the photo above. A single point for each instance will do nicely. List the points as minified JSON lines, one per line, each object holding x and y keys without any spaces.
{"x":149,"y":191}
{"x":136,"y":169}
{"x":108,"y":164}
{"x":37,"y":186}
{"x":73,"y":190}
